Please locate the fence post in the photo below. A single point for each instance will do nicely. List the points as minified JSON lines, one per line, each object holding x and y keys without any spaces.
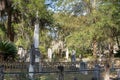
{"x":1,"y":72}
{"x":96,"y":72}
{"x":32,"y":63}
{"x":61,"y":74}
{"x":83,"y":67}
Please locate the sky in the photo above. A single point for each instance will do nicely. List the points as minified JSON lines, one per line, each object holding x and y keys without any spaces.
{"x":52,"y":5}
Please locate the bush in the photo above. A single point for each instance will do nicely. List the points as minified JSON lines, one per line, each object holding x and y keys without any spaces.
{"x":8,"y":50}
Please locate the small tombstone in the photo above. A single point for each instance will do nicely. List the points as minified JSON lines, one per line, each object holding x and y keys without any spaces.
{"x":49,"y":54}
{"x":83,"y":68}
{"x":96,"y":72}
{"x":1,"y":73}
{"x":112,"y":67}
{"x":67,"y":54}
{"x":21,"y":52}
{"x":80,"y":56}
{"x":118,"y":74}
{"x":73,"y":57}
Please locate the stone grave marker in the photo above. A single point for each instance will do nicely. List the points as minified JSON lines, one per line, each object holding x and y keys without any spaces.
{"x":83,"y":67}
{"x":96,"y":72}
{"x":73,"y":56}
{"x":118,"y":74}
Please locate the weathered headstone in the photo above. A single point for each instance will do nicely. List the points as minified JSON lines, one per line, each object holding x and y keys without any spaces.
{"x":49,"y":54}
{"x":73,"y":56}
{"x":118,"y":74}
{"x":21,"y":52}
{"x":67,"y":54}
{"x":80,"y":57}
{"x":96,"y":72}
{"x":83,"y":67}
{"x":112,"y":67}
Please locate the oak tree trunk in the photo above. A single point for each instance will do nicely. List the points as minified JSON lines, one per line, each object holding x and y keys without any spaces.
{"x":10,"y":29}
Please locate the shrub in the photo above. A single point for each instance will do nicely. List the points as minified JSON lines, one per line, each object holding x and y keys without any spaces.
{"x":8,"y":50}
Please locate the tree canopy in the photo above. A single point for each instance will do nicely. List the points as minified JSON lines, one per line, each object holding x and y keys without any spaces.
{"x":82,"y":24}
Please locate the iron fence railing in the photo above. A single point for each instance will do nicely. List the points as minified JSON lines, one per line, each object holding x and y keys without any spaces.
{"x":51,"y":71}
{"x":57,"y":75}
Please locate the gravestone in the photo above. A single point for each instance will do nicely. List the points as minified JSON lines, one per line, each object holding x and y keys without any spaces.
{"x":96,"y":72}
{"x":73,"y":57}
{"x":112,"y":67}
{"x":34,"y":52}
{"x":1,"y":72}
{"x":118,"y":74}
{"x":67,"y":54}
{"x":21,"y":53}
{"x":83,"y":67}
{"x":49,"y":54}
{"x":80,"y":57}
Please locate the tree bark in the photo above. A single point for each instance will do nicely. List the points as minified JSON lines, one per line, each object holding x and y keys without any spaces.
{"x":95,"y":48}
{"x":10,"y":29}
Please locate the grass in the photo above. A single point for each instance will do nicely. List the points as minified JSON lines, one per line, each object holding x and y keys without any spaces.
{"x":67,"y":76}
{"x":55,"y":76}
{"x":50,"y":76}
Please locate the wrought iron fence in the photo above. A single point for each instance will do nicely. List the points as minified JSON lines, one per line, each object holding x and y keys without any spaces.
{"x":51,"y":71}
